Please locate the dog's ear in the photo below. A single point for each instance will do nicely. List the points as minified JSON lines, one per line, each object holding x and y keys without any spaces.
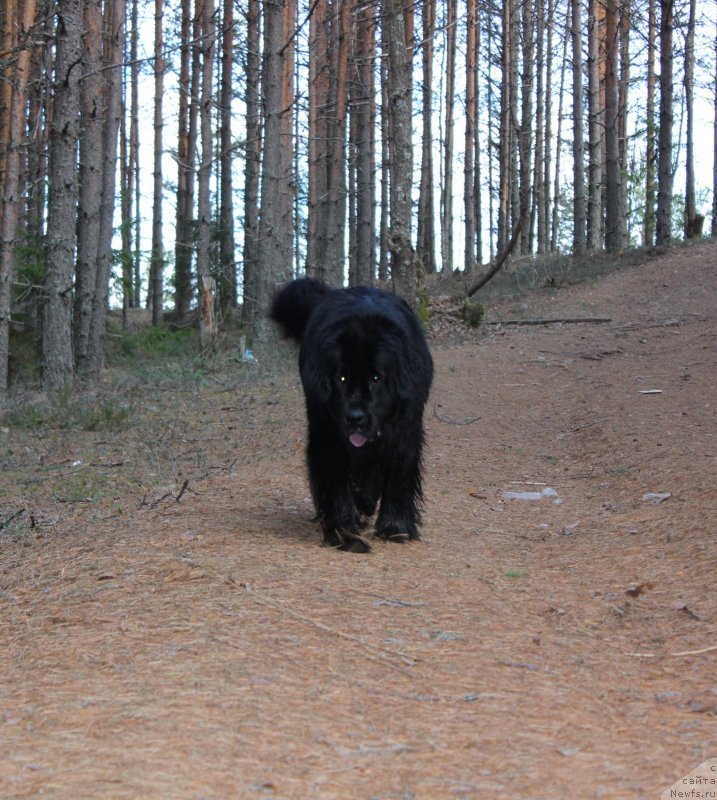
{"x":315,"y":378}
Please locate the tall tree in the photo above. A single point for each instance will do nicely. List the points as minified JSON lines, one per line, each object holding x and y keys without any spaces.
{"x":612,"y":152}
{"x":184,"y":240}
{"x":507,"y":90}
{"x":539,"y":183}
{"x":448,"y":140}
{"x":526,"y":124}
{"x":252,"y":71}
{"x":114,"y":35}
{"x":663,"y":220}
{"x":93,"y":99}
{"x":692,"y":223}
{"x":363,"y":140}
{"x":206,"y":283}
{"x":328,"y":86}
{"x":404,"y":272}
{"x":579,"y":205}
{"x":276,"y":205}
{"x":469,"y":253}
{"x":648,"y":228}
{"x":61,"y":237}
{"x":227,"y":266}
{"x":10,"y":205}
{"x":425,"y":232}
{"x":596,"y":125}
{"x":156,"y":270}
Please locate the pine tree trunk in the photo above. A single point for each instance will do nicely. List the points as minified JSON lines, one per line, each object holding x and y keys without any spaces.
{"x":93,"y":99}
{"x":251,"y":163}
{"x":622,"y":111}
{"x":547,"y":161}
{"x":447,"y":187}
{"x":539,"y":183}
{"x":469,"y":253}
{"x":425,"y":231}
{"x":61,"y":214}
{"x":114,"y":34}
{"x":596,"y":128}
{"x":206,"y":284}
{"x":648,"y":228}
{"x":404,"y":273}
{"x":183,"y":247}
{"x":504,"y":141}
{"x":276,"y":219}
{"x":364,"y":143}
{"x":10,"y":206}
{"x":612,"y":152}
{"x":157,"y":256}
{"x":663,"y":220}
{"x":693,"y":224}
{"x":579,"y":209}
{"x":228,"y":286}
{"x":526,"y":126}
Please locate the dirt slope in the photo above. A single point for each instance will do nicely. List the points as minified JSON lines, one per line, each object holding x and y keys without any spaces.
{"x":560,"y":647}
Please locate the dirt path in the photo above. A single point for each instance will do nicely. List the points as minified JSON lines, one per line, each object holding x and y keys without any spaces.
{"x":543,"y":649}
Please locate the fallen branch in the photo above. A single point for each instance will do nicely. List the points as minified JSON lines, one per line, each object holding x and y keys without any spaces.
{"x":676,"y":655}
{"x":553,"y":321}
{"x":450,"y":421}
{"x":499,"y":261}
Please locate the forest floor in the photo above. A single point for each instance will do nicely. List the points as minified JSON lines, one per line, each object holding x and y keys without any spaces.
{"x":170,"y":626}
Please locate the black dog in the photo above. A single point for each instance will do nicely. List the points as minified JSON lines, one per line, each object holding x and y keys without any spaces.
{"x":366,"y":372}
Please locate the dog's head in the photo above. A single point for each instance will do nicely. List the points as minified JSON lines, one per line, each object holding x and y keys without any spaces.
{"x":355,"y":380}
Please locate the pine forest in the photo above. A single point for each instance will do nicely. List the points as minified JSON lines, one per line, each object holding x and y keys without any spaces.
{"x":190,"y":157}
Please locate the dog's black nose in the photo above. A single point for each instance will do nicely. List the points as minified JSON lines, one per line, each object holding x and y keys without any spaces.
{"x":355,"y":418}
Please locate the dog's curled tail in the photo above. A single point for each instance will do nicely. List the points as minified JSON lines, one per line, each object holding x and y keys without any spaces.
{"x":294,"y":304}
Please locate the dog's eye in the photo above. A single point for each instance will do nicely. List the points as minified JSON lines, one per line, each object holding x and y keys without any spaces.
{"x":343,"y":378}
{"x":375,"y":378}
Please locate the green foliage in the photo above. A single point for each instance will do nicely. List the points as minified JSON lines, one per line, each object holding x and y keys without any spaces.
{"x":153,"y":342}
{"x":70,"y":411}
{"x":473,"y":312}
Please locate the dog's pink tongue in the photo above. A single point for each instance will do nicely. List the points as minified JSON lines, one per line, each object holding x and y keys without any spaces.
{"x":357,"y":440}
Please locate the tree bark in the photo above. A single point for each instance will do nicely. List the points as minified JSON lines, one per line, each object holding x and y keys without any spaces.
{"x":93,"y":99}
{"x":579,"y":209}
{"x":61,"y":236}
{"x":469,"y":252}
{"x":206,"y":283}
{"x":404,"y":271}
{"x":648,"y":228}
{"x":448,"y":135}
{"x":425,"y":231}
{"x":692,"y":228}
{"x":227,"y":265}
{"x":114,"y":35}
{"x":157,"y":256}
{"x":276,"y":219}
{"x":612,"y":152}
{"x":663,"y":220}
{"x":251,"y":162}
{"x":184,"y":241}
{"x":596,"y":126}
{"x":363,"y":89}
{"x":11,"y":199}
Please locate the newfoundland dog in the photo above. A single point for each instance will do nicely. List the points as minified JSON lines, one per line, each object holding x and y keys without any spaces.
{"x":366,"y":372}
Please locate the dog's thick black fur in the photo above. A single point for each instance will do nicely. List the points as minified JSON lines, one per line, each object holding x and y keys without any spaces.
{"x":366,"y":371}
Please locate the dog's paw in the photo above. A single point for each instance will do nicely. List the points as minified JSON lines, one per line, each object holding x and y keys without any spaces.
{"x":396,"y":535}
{"x":347,"y":541}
